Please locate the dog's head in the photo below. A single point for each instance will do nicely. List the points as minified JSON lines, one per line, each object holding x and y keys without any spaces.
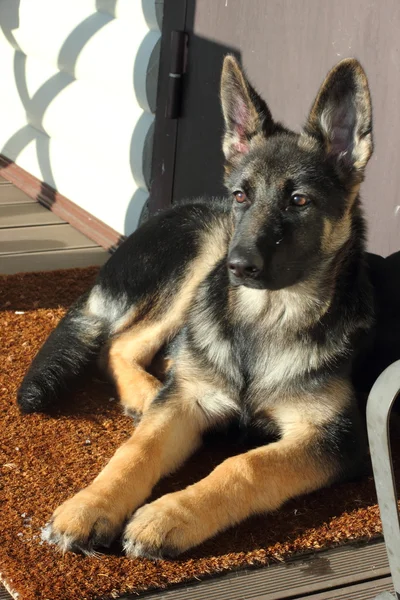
{"x":294,"y":195}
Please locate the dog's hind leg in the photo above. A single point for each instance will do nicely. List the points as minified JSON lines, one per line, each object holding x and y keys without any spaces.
{"x":70,"y":348}
{"x":153,"y":276}
{"x":134,"y":347}
{"x":129,"y":356}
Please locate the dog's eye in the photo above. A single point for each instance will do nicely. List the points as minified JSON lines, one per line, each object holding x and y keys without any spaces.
{"x":240,"y":196}
{"x":299,"y":200}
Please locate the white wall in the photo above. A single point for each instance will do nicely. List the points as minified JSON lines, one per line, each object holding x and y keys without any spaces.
{"x":77,"y":96}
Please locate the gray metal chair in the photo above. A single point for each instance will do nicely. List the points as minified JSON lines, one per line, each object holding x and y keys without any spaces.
{"x":379,"y":407}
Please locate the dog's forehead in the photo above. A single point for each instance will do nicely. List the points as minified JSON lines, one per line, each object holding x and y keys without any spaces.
{"x":283,"y":155}
{"x":276,"y":159}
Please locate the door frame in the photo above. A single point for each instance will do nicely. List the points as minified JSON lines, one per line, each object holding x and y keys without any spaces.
{"x":165,"y":129}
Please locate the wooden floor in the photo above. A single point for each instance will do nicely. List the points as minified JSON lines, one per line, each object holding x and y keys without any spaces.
{"x":347,"y":573}
{"x":32,"y":239}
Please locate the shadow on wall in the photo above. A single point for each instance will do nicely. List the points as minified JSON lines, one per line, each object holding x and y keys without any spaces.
{"x":37,"y":104}
{"x":201,"y":127}
{"x":198,"y":130}
{"x":201,"y":130}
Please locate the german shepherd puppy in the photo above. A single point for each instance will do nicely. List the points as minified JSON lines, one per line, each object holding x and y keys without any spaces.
{"x":267,"y":299}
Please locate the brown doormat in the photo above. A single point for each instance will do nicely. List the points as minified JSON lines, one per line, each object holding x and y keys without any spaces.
{"x":44,"y":459}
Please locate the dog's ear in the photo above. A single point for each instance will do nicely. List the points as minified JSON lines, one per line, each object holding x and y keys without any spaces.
{"x":341,"y":116}
{"x":245,"y":113}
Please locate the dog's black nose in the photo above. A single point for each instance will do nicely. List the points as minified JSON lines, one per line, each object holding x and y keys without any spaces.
{"x":245,"y":263}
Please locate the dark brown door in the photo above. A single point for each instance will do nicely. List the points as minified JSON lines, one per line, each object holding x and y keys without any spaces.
{"x":287,"y":47}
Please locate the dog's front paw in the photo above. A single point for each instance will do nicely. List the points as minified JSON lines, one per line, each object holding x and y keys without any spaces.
{"x":82,"y":523}
{"x":162,"y":529}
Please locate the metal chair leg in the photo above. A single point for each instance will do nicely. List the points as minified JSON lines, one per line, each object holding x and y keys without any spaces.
{"x":379,"y":406}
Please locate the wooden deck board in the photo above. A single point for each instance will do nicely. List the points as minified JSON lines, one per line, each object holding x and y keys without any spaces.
{"x":21,"y":240}
{"x":32,"y":238}
{"x":4,"y":595}
{"x":50,"y":261}
{"x":9,"y":194}
{"x":319,"y":573}
{"x":368,"y":590}
{"x":25,"y":215}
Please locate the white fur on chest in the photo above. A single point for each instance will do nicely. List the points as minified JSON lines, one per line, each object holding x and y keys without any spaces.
{"x":280,"y":354}
{"x":278,"y":365}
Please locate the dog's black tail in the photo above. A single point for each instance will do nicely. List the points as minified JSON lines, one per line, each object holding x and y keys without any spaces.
{"x":70,"y":348}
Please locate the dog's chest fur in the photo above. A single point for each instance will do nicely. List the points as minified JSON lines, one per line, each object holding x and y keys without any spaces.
{"x":259,"y":341}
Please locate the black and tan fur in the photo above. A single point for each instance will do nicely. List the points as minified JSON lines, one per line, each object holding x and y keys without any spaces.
{"x":267,"y":302}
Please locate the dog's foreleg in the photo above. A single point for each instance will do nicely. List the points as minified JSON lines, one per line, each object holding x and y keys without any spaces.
{"x":166,"y":436}
{"x":258,"y":481}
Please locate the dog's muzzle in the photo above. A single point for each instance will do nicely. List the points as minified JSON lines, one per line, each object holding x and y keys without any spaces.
{"x":244,"y":264}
